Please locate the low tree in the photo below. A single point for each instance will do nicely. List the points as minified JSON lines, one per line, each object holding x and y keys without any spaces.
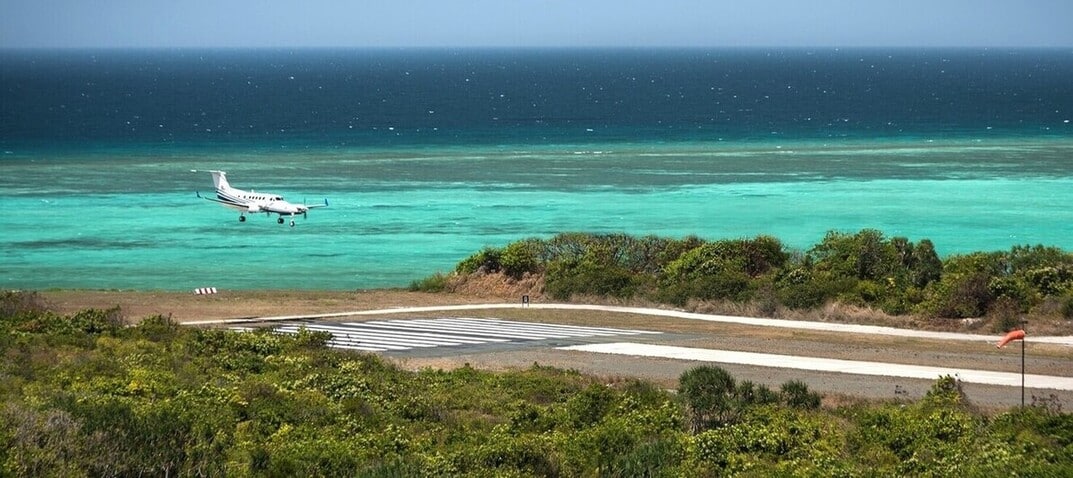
{"x":710,"y":396}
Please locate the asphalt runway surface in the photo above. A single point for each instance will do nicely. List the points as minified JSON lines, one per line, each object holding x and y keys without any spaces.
{"x":423,"y":339}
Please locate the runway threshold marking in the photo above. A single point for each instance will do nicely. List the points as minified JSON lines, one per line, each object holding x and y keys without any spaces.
{"x":825,"y":364}
{"x":408,"y":334}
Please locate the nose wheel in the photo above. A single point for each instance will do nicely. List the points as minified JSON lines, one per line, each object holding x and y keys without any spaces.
{"x":242,"y":219}
{"x":279,"y":221}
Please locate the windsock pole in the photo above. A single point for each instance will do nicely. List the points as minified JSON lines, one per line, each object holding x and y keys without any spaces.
{"x":1010,"y":337}
{"x":1023,"y":323}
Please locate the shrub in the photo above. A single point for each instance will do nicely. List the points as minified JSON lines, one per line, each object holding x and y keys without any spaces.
{"x":864,"y":255}
{"x":710,"y":396}
{"x":1067,"y":307}
{"x":958,"y":296}
{"x":565,"y":279}
{"x":863,"y":268}
{"x":815,"y":292}
{"x":158,"y":328}
{"x":589,"y":406}
{"x":519,"y":258}
{"x":16,"y":302}
{"x":487,"y":260}
{"x":752,"y":394}
{"x":795,"y":393}
{"x":434,"y":283}
{"x":925,"y":266}
{"x":1005,"y":315}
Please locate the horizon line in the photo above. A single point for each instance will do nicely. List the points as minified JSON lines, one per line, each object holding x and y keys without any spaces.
{"x":539,"y":47}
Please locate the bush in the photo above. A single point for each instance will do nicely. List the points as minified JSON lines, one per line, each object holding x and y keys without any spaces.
{"x":434,"y":283}
{"x":158,"y":328}
{"x":795,"y":393}
{"x":520,"y":258}
{"x":863,"y":268}
{"x":163,"y":400}
{"x":565,"y":279}
{"x":1005,"y":315}
{"x":958,"y":296}
{"x":1067,"y":307}
{"x":710,"y":396}
{"x":813,"y":293}
{"x":16,"y":302}
{"x":487,"y":260}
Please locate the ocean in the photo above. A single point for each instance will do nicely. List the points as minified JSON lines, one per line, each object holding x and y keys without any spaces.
{"x":426,"y":156}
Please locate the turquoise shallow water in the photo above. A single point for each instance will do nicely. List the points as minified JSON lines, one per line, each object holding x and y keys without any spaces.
{"x":127,"y":217}
{"x":428,"y":155}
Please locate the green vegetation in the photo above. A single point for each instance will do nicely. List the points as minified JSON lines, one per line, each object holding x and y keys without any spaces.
{"x":865,"y":268}
{"x":84,"y":395}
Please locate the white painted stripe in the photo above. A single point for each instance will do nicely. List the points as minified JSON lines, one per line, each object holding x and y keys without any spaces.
{"x":544,"y":328}
{"x":343,"y":339}
{"x":356,"y":347}
{"x":608,"y":330}
{"x":472,"y":330}
{"x":481,"y":325}
{"x":382,"y":341}
{"x":500,"y":326}
{"x":433,"y":325}
{"x":376,"y":335}
{"x":387,"y":327}
{"x":827,"y":365}
{"x":358,"y":343}
{"x":445,"y":332}
{"x":342,"y":342}
{"x":386,"y":342}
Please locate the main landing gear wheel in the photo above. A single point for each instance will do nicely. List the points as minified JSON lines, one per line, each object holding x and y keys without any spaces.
{"x":279,"y":221}
{"x":242,"y":219}
{"x":292,"y":222}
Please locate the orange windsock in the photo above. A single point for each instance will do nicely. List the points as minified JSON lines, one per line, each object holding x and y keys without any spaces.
{"x":1010,"y":337}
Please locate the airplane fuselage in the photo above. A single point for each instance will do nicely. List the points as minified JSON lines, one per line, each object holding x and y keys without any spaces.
{"x":252,"y":201}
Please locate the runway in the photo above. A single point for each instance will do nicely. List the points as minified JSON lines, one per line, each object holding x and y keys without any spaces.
{"x":815,"y":364}
{"x":471,"y":337}
{"x":409,"y":334}
{"x":753,"y":321}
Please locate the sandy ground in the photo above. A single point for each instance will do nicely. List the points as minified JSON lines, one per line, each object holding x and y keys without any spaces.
{"x":1041,"y":358}
{"x":187,"y":307}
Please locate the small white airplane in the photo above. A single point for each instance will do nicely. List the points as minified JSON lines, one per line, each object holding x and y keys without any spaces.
{"x":254,"y":202}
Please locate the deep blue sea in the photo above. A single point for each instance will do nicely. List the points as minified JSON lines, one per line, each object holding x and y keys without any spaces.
{"x":429,"y":155}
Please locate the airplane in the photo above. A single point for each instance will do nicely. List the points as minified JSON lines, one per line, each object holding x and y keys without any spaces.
{"x":254,"y":202}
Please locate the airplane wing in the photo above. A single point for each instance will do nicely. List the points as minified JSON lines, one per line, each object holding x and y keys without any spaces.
{"x":239,"y":207}
{"x":314,"y":206}
{"x":210,"y":199}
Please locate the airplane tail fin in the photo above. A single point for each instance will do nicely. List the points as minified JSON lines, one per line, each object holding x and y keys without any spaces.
{"x":219,"y":180}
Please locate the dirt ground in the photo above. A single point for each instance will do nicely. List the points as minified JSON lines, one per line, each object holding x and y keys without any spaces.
{"x":1041,"y":359}
{"x":188,"y":307}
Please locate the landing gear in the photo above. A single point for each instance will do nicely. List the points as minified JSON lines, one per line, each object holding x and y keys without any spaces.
{"x":292,"y":222}
{"x":280,"y":220}
{"x":242,"y":219}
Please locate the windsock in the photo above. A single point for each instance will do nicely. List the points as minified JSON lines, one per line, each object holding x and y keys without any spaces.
{"x":1010,"y":337}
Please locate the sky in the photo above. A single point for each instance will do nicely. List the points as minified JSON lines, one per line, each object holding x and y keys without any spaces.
{"x":533,"y":23}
